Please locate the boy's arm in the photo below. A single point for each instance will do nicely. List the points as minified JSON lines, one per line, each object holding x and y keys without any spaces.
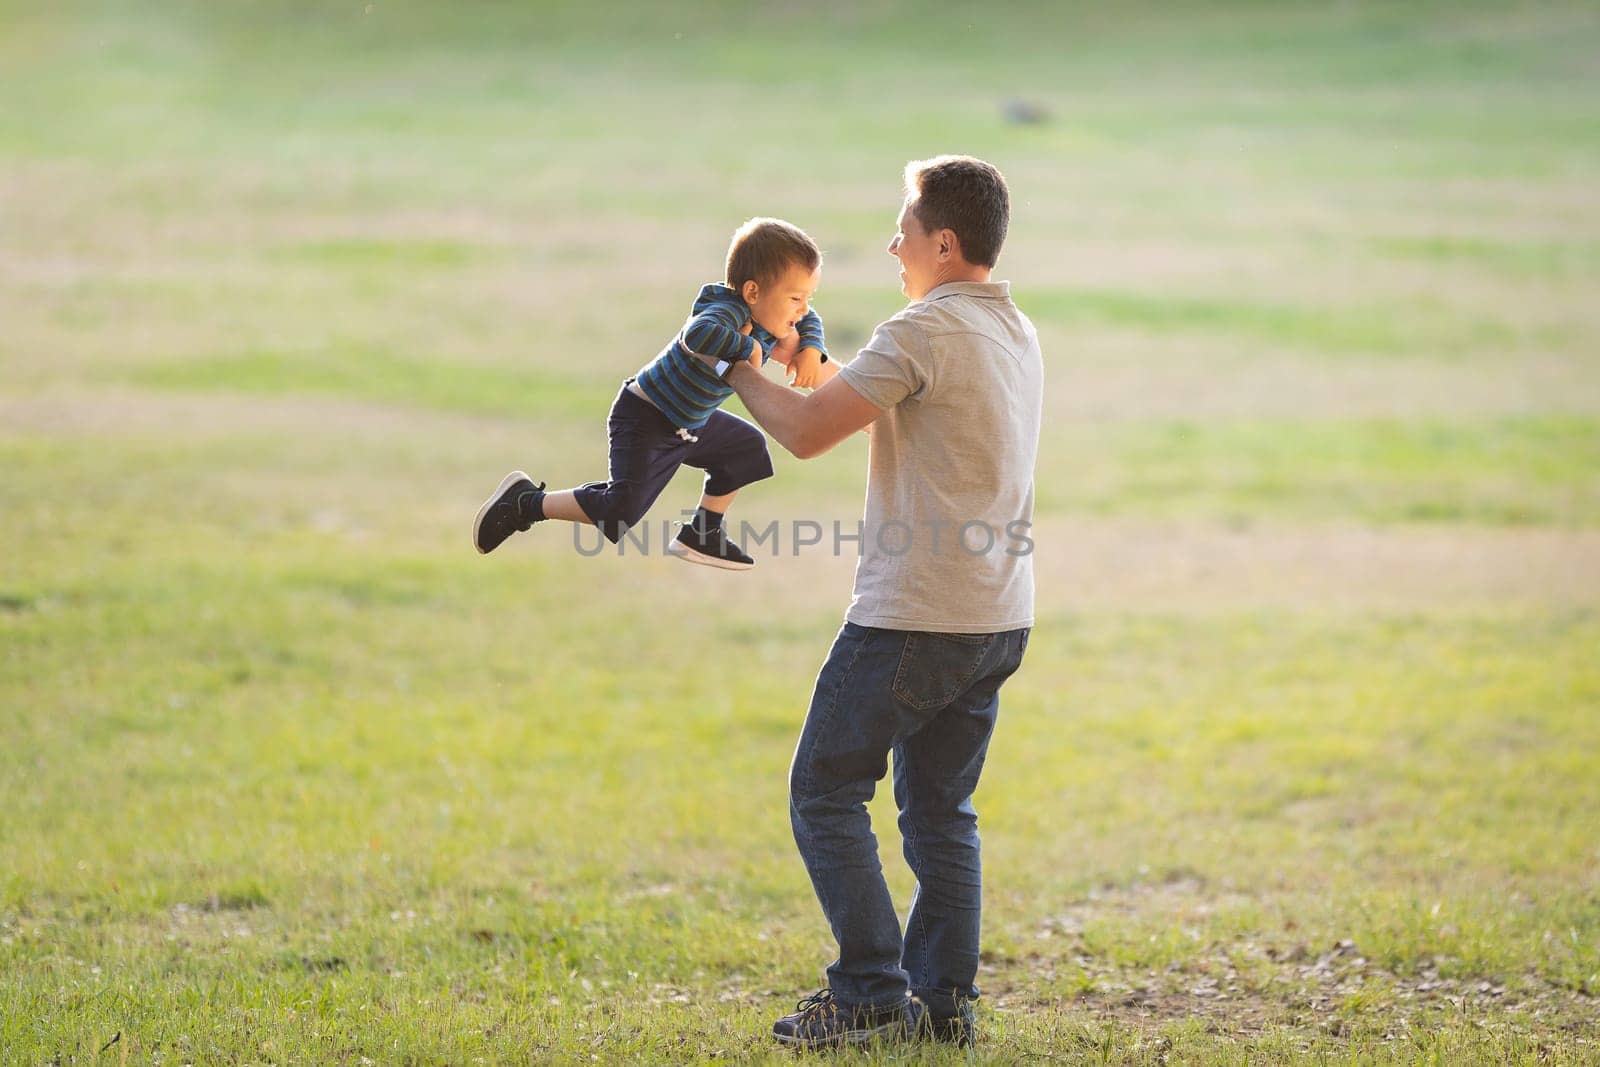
{"x":811,"y":355}
{"x":784,"y":351}
{"x":721,"y":332}
{"x":810,"y":330}
{"x":805,"y":369}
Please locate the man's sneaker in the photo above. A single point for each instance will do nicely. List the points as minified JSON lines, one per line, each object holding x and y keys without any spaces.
{"x":510,"y":508}
{"x":824,"y":1021}
{"x":711,"y":548}
{"x":958,"y":1029}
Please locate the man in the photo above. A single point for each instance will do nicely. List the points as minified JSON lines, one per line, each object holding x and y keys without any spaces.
{"x":951,"y":387}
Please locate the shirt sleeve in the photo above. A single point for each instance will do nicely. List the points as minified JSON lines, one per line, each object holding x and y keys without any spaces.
{"x":887,"y":370}
{"x":715,"y":332}
{"x":759,"y":332}
{"x":810,"y":330}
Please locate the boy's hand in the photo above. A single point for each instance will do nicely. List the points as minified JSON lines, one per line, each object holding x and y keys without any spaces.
{"x":805,"y":369}
{"x":784,"y":351}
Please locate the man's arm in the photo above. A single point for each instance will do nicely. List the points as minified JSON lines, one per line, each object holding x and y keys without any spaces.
{"x":806,"y":425}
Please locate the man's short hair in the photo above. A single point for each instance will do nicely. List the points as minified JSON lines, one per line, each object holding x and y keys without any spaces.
{"x":763,"y":249}
{"x":965,"y":195}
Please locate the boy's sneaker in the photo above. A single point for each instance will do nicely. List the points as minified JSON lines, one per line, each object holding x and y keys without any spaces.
{"x":958,"y":1029}
{"x":824,"y":1021}
{"x":710,"y":548}
{"x":510,"y":508}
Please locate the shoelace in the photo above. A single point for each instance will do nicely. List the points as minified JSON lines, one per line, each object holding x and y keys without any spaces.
{"x":819,"y":1003}
{"x":710,"y":536}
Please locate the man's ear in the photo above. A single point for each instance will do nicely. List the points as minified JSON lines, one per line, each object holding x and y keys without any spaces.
{"x":949,"y":244}
{"x":750,"y":291}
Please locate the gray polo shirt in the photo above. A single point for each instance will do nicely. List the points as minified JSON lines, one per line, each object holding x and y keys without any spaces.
{"x":946,"y":543}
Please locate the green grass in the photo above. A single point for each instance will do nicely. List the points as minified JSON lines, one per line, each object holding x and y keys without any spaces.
{"x":1554,"y":260}
{"x":365,"y":373}
{"x":1512,"y":471}
{"x":1423,"y":331}
{"x":288,"y":774}
{"x":416,"y":830}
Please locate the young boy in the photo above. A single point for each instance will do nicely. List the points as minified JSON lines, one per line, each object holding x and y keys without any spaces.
{"x":668,"y":414}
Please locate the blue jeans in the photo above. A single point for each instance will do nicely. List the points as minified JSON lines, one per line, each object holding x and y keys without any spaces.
{"x":932,"y":700}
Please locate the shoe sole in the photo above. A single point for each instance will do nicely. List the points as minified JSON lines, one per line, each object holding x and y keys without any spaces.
{"x":689,"y":555}
{"x":889,"y":1031}
{"x":477,"y":522}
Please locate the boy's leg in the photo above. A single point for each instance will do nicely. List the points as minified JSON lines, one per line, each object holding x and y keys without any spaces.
{"x":513,"y":506}
{"x":644,"y":455}
{"x":936,"y":771}
{"x":717,"y":504}
{"x":712,"y":510}
{"x":563,"y":504}
{"x":733,"y":453}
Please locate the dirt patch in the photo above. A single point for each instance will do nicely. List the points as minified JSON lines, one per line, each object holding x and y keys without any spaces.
{"x":1246,"y":989}
{"x":1253,"y":984}
{"x":1082,"y":565}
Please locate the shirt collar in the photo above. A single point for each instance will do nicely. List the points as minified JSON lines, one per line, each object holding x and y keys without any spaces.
{"x":987,"y":290}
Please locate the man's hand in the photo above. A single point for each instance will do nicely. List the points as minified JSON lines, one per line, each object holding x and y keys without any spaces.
{"x":756,"y":355}
{"x":805,"y":369}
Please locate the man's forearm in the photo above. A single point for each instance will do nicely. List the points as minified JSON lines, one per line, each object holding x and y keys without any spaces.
{"x":780,"y":410}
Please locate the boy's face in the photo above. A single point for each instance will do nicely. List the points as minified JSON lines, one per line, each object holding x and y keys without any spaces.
{"x":777,"y":307}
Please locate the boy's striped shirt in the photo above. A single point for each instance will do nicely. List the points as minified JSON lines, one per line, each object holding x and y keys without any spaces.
{"x":683,"y":387}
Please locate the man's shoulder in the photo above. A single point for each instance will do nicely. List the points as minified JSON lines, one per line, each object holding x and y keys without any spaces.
{"x":975,"y":312}
{"x":918,"y":319}
{"x":904,"y":332}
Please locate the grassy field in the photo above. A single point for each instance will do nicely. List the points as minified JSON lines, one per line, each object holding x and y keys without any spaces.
{"x":1304,"y":764}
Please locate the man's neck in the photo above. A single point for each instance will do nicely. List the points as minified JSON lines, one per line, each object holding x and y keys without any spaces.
{"x":964,"y":272}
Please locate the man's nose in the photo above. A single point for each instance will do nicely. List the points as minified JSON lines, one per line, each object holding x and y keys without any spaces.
{"x":894,"y":245}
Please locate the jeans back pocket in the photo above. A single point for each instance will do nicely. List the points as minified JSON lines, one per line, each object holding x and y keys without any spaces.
{"x":935,"y":668}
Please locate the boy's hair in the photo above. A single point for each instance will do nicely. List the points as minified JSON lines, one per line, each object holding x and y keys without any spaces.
{"x":965,"y":195}
{"x":762,"y":249}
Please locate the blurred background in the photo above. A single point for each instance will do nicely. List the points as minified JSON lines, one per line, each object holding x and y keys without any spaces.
{"x":286,"y":287}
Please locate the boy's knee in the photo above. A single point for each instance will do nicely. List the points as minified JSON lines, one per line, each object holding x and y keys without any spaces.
{"x":756,"y":446}
{"x":743,"y":438}
{"x":629,"y":506}
{"x":751,"y":461}
{"x":614,"y":505}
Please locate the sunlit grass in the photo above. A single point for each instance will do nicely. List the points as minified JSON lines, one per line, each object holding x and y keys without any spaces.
{"x":289,"y":774}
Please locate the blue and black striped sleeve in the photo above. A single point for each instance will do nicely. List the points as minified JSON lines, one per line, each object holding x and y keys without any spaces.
{"x":808,"y":328}
{"x":810,"y":331}
{"x":715,"y":332}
